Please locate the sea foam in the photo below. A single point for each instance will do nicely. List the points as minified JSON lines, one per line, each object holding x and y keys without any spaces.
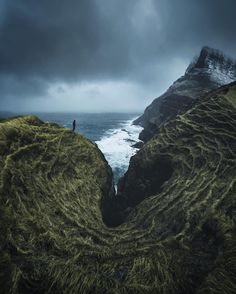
{"x":117,"y":144}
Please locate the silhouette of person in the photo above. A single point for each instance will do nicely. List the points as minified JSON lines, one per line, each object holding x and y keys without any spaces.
{"x":74,"y":125}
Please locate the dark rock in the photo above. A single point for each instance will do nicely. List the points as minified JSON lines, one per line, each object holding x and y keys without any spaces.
{"x":209,"y":71}
{"x":129,"y":140}
{"x":145,"y":178}
{"x":138,"y":145}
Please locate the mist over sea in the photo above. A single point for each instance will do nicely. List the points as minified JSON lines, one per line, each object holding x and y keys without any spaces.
{"x":112,"y":132}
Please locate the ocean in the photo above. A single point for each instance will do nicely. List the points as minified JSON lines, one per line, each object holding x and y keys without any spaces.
{"x":112,"y":132}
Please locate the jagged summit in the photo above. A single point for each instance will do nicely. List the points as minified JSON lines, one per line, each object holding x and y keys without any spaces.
{"x":215,"y":64}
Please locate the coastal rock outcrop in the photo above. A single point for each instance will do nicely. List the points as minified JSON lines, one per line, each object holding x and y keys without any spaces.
{"x":210,"y":70}
{"x":179,"y":235}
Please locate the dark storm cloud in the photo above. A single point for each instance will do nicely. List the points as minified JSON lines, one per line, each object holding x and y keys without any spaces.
{"x":197,"y":22}
{"x":47,"y":37}
{"x":42,"y":42}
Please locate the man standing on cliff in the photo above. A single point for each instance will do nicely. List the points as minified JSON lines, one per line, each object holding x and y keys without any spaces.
{"x":74,"y":125}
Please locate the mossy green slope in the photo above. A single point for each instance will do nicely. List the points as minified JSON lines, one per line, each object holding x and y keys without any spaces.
{"x":52,"y":181}
{"x":179,"y":239}
{"x":194,"y":204}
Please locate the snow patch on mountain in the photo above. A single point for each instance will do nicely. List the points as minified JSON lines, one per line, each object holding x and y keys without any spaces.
{"x":214,"y":65}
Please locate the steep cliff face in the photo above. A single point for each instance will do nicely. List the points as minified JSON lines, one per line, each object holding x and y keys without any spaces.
{"x":179,"y":236}
{"x":194,"y":202}
{"x":210,"y":70}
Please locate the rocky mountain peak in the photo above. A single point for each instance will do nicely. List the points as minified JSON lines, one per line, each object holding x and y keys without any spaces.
{"x":210,"y":70}
{"x":213,"y":63}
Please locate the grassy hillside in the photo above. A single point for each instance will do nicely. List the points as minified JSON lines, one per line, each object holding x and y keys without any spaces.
{"x":52,"y":181}
{"x":187,"y":176}
{"x":179,"y":237}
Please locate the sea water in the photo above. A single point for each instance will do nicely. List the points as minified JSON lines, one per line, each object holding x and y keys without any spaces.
{"x":114,"y":134}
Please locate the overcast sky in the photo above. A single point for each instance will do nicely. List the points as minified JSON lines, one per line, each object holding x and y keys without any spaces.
{"x":103,"y":55}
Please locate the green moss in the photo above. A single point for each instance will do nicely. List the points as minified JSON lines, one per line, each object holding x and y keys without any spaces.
{"x":231,"y":95}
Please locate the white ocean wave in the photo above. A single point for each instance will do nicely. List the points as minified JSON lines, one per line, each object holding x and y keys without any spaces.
{"x":117,"y":144}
